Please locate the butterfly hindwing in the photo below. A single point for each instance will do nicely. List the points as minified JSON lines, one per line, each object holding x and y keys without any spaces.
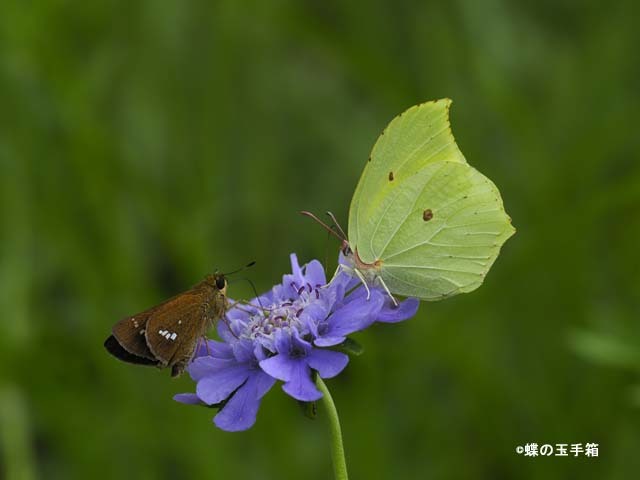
{"x":114,"y":347}
{"x":444,"y":238}
{"x":130,"y":334}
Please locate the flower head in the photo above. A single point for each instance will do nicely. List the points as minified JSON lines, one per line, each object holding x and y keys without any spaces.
{"x":286,"y":335}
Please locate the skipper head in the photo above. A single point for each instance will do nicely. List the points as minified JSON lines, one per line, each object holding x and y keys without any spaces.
{"x":218,"y":281}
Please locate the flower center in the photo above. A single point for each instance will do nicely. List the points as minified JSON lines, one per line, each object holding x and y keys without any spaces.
{"x":284,"y":314}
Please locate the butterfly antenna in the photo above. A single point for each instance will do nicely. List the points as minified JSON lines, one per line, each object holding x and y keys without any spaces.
{"x":335,"y":222}
{"x":324,"y":225}
{"x":326,"y":254}
{"x":253,"y":287}
{"x":250,"y":264}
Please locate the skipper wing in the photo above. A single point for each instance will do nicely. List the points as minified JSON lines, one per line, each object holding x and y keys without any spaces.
{"x":174,"y":329}
{"x":129,"y":334}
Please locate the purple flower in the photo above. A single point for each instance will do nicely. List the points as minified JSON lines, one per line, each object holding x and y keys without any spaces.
{"x":284,"y":335}
{"x":294,"y":360}
{"x":229,"y":374}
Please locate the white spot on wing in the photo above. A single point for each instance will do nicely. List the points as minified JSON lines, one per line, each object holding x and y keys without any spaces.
{"x":168,"y":335}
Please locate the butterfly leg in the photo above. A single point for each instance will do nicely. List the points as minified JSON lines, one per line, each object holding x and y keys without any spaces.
{"x":228,"y":324}
{"x":206,"y":345}
{"x":180,"y":363}
{"x":386,"y":289}
{"x":364,"y":282}
{"x":178,"y":367}
{"x":338,"y":270}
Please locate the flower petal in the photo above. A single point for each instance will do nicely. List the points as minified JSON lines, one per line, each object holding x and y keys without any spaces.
{"x":310,"y":323}
{"x":279,"y":366}
{"x":327,"y":362}
{"x":295,"y":373}
{"x":217,"y":386}
{"x":358,"y":293}
{"x":258,"y":351}
{"x":353,"y":316}
{"x":240,"y":411}
{"x":289,"y":288}
{"x":282,"y":341}
{"x":204,"y":366}
{"x":213,"y":348}
{"x":263,"y":381}
{"x":296,"y":270}
{"x":266,"y":343}
{"x":187,"y":398}
{"x":300,"y":385}
{"x":231,"y":326}
{"x":333,"y":292}
{"x":392,"y":314}
{"x":328,"y":341}
{"x":314,"y":273}
{"x":314,"y":314}
{"x":243,"y":350}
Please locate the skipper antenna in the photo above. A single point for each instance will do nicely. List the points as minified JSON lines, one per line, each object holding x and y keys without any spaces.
{"x":250,"y":264}
{"x":253,"y":287}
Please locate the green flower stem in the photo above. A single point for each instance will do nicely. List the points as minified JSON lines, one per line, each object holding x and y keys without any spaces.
{"x":337,"y":449}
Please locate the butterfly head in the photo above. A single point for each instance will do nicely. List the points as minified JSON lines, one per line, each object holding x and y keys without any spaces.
{"x":218,"y":281}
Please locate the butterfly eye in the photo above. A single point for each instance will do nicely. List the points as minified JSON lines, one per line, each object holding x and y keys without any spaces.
{"x":221,"y":283}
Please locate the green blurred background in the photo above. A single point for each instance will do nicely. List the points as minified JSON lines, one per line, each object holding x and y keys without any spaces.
{"x":144,"y":144}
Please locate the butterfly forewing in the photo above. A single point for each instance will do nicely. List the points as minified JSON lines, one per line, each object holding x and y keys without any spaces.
{"x":172,"y":329}
{"x":418,"y":137}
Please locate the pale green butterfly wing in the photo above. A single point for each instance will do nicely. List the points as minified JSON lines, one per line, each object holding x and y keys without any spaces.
{"x":435,"y":225}
{"x":441,"y":236}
